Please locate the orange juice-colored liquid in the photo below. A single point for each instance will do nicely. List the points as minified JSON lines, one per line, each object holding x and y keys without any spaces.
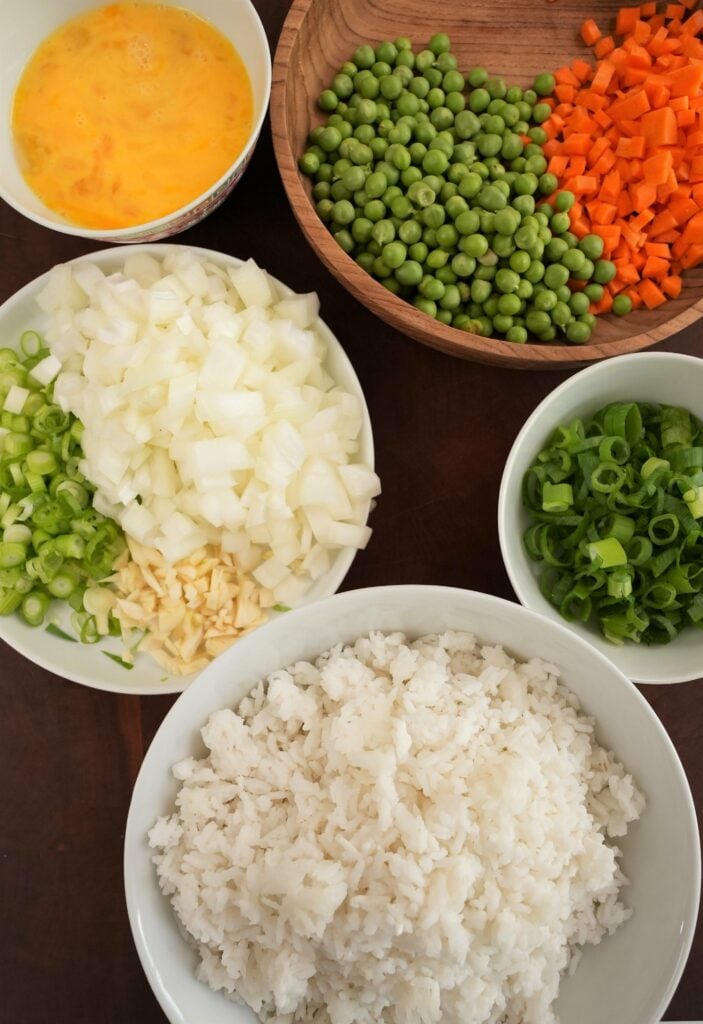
{"x":128,"y":112}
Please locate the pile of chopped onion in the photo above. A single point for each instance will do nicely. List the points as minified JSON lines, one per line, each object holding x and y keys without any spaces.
{"x":208,"y":414}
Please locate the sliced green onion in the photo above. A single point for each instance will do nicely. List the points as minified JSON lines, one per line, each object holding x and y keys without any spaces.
{"x":34,"y":608}
{"x":55,"y":630}
{"x":694,"y":500}
{"x":120,"y":661}
{"x":607,"y":553}
{"x":557,"y":497}
{"x":31,"y":343}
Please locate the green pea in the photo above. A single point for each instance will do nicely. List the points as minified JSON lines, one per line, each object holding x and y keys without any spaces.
{"x":502,"y":323}
{"x":507,"y":280}
{"x":480,"y":290}
{"x":309,"y":163}
{"x":374,"y":210}
{"x":354,"y":178}
{"x":456,"y":206}
{"x":484,"y":272}
{"x":525,"y":237}
{"x":426,"y":305}
{"x":517,"y":335}
{"x":578,"y":332}
{"x":390,"y":172}
{"x":365,"y":260}
{"x":451,"y":299}
{"x":509,"y":304}
{"x":433,"y":216}
{"x":343,"y":212}
{"x":393,"y":254}
{"x":491,"y":198}
{"x":410,"y":232}
{"x":496,"y":87}
{"x":401,"y":207}
{"x":418,"y":252}
{"x":447,"y":236}
{"x":479,"y":100}
{"x":419,"y":87}
{"x":573,"y":260}
{"x":540,"y":112}
{"x":435,"y":162}
{"x":325,"y":210}
{"x":470,"y":184}
{"x":329,"y":139}
{"x":579,"y":303}
{"x":512,"y":146}
{"x":622,"y":305}
{"x":489,"y":144}
{"x":338,"y":191}
{"x":604,"y":271}
{"x":548,"y":183}
{"x":592,"y":246}
{"x":536,"y":165}
{"x":594,"y":291}
{"x":544,"y":84}
{"x":535,"y":272}
{"x":537,"y":321}
{"x":446,"y":62}
{"x":468,"y":222}
{"x":344,"y":239}
{"x":321,"y":190}
{"x":477,"y":77}
{"x":487,"y":221}
{"x":519,"y":261}
{"x":538,"y":135}
{"x":442,"y":117}
{"x":556,"y":249}
{"x":366,"y":111}
{"x":361,"y":229}
{"x":429,"y":237}
{"x":378,"y":147}
{"x":409,"y":273}
{"x":432,"y":288}
{"x":380,"y":268}
{"x":506,"y":222}
{"x":586,"y":271}
{"x":545,"y":300}
{"x":526,"y":184}
{"x":369,"y":88}
{"x":555,"y":275}
{"x":434,"y":77}
{"x":445,"y":274}
{"x":455,"y":103}
{"x":463,"y":265}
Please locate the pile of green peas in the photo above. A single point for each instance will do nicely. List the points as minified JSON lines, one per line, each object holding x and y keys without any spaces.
{"x":424,"y":177}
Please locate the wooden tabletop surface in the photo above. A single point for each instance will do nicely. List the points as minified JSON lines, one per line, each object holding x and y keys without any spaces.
{"x":69,"y":755}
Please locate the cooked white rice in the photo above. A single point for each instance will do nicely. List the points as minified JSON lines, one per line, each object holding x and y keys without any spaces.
{"x":401,"y":832}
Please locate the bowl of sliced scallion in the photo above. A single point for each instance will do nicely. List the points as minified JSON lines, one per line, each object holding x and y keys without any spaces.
{"x":601,"y":512}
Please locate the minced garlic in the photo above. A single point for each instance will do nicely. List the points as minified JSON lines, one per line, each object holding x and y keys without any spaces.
{"x":191,"y":610}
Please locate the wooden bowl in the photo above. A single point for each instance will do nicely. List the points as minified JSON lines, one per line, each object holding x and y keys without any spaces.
{"x":513,"y":39}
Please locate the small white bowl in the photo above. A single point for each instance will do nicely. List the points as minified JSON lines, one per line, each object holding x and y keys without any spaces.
{"x":659,"y":377}
{"x":33,"y":20}
{"x":86,"y":663}
{"x":629,"y":978}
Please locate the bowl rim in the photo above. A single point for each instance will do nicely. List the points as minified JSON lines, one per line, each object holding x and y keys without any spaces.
{"x":507,"y":482}
{"x":161,"y":224}
{"x":188,"y":703}
{"x":345,"y":556}
{"x":395,"y":311}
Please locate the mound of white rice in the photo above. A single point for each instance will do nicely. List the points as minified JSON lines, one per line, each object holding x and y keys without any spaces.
{"x":402,"y":832}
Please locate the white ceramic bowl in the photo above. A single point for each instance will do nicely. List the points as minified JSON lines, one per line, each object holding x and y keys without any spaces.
{"x":629,"y":978}
{"x":33,"y":20}
{"x":646,"y":377}
{"x":87,"y":664}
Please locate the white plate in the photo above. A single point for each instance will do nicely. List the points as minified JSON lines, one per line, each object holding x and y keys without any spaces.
{"x":87,"y":664}
{"x":659,"y":377}
{"x":629,"y":978}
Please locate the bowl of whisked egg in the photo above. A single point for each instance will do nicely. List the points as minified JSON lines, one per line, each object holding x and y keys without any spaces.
{"x":129,"y":122}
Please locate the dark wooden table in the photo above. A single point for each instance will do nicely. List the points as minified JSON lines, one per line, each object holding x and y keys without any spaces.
{"x":69,"y":755}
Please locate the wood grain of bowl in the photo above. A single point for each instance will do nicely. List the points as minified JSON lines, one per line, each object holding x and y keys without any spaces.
{"x":514,"y":39}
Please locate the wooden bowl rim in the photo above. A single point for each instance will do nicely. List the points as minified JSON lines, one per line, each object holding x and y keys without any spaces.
{"x":396,"y":311}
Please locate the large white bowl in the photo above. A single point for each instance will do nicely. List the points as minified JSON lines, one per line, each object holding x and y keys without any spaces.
{"x":87,"y":664}
{"x":32,"y":21}
{"x":659,"y":377}
{"x":629,"y":978}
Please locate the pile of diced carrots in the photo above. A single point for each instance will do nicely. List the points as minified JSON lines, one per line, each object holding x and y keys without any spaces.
{"x":626,"y":137}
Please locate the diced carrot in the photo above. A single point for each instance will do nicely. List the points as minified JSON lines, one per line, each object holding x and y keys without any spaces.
{"x":565,"y":92}
{"x":582,"y":70}
{"x":675,"y":10}
{"x":577,"y":144}
{"x":631,"y":148}
{"x":565,"y":76}
{"x":685,"y":118}
{"x":610,"y":189}
{"x":659,"y":127}
{"x":603,"y":47}
{"x":655,"y":267}
{"x":582,"y":183}
{"x":671,"y":286}
{"x":603,"y":76}
{"x":606,"y":162}
{"x":656,"y":168}
{"x":626,"y":20}
{"x":590,"y":33}
{"x":692,"y":256}
{"x":657,"y":249}
{"x":693,"y":25}
{"x":631,"y":107}
{"x":651,"y":295}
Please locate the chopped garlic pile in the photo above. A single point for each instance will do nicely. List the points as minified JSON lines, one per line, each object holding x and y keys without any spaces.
{"x":192,"y":610}
{"x":210,"y":416}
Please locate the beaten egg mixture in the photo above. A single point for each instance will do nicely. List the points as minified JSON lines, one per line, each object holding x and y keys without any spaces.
{"x":129,"y":112}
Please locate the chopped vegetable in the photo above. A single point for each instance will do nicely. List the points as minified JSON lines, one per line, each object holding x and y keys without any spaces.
{"x":616,"y":519}
{"x":432,"y":189}
{"x":53,"y":543}
{"x":209,"y":416}
{"x":626,"y":137}
{"x":190,"y":611}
